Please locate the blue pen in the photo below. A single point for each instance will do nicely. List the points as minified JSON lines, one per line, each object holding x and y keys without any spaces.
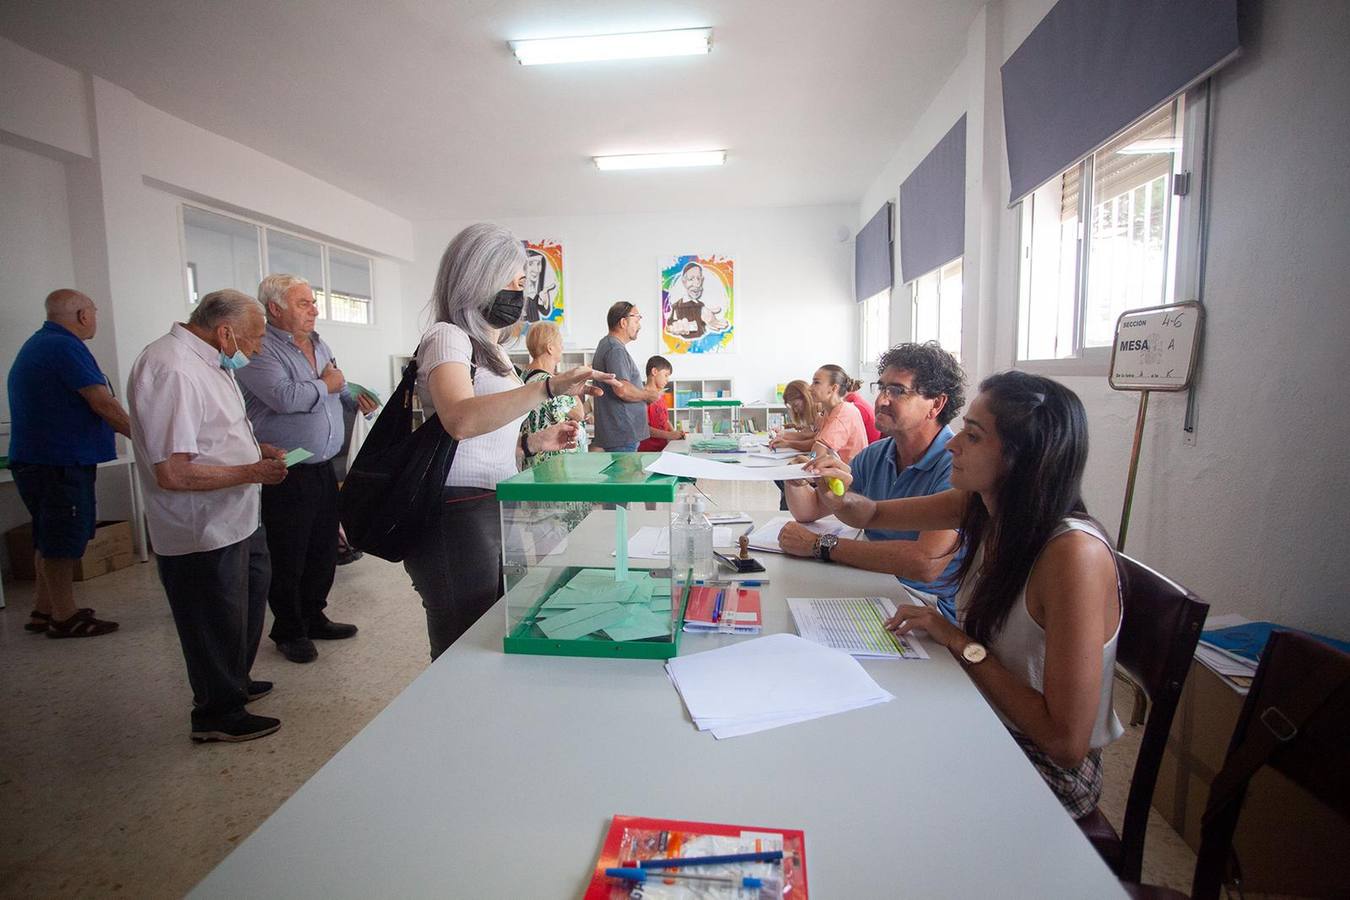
{"x":641,"y":875}
{"x":674,"y":862}
{"x":717,"y":606}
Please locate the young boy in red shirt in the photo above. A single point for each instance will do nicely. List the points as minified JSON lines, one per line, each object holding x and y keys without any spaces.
{"x":658,"y":376}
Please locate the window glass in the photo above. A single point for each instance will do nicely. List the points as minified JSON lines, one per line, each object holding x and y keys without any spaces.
{"x":290,"y":255}
{"x":221,"y":253}
{"x":349,"y":300}
{"x":1074,"y":282}
{"x":937,"y":307}
{"x":875,"y":314}
{"x":1132,"y":244}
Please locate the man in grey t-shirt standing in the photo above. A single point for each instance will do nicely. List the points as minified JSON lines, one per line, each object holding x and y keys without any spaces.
{"x":621,"y":412}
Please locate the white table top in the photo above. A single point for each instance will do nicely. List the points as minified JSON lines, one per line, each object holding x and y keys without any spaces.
{"x":495,"y":775}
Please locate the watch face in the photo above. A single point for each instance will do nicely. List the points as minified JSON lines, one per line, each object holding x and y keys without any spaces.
{"x":829,"y":540}
{"x":974,"y":653}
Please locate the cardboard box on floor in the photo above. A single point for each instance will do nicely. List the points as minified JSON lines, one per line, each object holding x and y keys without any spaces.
{"x":109,"y":550}
{"x":1287,"y":841}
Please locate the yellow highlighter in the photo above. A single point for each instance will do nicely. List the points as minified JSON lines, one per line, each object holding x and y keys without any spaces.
{"x":836,"y":485}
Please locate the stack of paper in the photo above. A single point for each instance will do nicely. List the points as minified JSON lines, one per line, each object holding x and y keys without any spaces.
{"x":1236,"y":670}
{"x":653,"y":541}
{"x":592,"y":602}
{"x":770,"y":681}
{"x":765,"y":537}
{"x":856,"y":625}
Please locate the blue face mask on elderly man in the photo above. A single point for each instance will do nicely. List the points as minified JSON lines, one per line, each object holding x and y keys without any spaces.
{"x":235,"y":361}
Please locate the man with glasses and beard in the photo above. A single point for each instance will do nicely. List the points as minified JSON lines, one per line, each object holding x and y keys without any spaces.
{"x":920,"y":389}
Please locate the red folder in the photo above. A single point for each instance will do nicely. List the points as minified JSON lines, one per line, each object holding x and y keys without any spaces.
{"x":635,"y":838}
{"x":738,"y":611}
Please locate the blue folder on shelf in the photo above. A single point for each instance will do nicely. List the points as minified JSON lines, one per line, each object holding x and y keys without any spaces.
{"x":1250,"y":639}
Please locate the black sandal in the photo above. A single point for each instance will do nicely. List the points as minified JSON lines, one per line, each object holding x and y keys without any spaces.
{"x":82,"y":624}
{"x":38,"y":622}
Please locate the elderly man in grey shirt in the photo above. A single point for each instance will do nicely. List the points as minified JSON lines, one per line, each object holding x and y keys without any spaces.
{"x":295,"y":395}
{"x":621,"y":412}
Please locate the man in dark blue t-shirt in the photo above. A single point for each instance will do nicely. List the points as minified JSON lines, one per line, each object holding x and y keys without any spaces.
{"x":64,"y":415}
{"x":920,"y":388}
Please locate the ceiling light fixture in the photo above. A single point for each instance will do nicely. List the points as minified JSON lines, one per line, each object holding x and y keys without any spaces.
{"x":639,"y":45}
{"x":661,"y":160}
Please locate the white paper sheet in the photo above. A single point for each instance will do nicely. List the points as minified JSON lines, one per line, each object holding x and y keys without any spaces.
{"x":771,"y":681}
{"x":765,"y":537}
{"x":693,"y":467}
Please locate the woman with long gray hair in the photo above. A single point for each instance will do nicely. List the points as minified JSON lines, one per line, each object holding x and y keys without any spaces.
{"x":466,"y":378}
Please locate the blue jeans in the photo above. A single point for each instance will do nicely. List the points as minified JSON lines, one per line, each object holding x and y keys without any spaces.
{"x":61,"y":501}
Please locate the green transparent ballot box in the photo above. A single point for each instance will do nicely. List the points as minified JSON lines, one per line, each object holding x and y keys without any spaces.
{"x":570,"y":588}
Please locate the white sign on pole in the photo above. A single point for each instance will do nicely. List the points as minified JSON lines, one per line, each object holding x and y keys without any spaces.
{"x":1156,"y":348}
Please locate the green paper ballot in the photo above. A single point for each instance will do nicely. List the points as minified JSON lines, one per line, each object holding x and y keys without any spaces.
{"x":573,"y":624}
{"x":298,"y":455}
{"x":358,"y":391}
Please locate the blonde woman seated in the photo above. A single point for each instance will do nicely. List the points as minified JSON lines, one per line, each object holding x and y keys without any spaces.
{"x":802,"y":419}
{"x":545,"y":344}
{"x":1038,"y":603}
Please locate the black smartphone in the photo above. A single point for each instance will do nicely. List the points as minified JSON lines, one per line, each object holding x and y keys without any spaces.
{"x":741,"y":566}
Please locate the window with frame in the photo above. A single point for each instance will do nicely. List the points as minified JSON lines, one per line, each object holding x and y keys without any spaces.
{"x":1101,"y":238}
{"x":936,"y":306}
{"x":874,"y":330}
{"x":228,"y":252}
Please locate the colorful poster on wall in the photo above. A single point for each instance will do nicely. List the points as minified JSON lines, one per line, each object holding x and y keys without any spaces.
{"x":543,"y":282}
{"x":697,"y":304}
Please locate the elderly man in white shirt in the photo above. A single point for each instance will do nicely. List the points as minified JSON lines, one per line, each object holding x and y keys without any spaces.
{"x":201,"y":466}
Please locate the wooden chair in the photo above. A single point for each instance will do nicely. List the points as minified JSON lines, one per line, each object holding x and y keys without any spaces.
{"x":1158,"y":634}
{"x":1297,"y":721}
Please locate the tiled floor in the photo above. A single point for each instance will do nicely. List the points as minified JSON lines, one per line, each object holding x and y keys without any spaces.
{"x":103,"y":794}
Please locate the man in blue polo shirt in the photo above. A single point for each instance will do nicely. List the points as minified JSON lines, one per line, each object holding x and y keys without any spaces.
{"x":64,"y":415}
{"x":920,"y":389}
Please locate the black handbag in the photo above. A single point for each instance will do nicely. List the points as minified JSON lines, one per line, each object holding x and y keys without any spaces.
{"x":393,"y":489}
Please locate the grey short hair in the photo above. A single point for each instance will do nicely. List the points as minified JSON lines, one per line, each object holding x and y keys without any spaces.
{"x":274,"y":287}
{"x":480,"y":261}
{"x":64,"y":302}
{"x":223,"y":307}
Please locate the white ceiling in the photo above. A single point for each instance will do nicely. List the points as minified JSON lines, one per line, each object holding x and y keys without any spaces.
{"x":418,"y":106}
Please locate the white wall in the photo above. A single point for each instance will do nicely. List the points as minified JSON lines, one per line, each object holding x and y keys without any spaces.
{"x":793,"y":283}
{"x":1250,"y":516}
{"x":92,"y":180}
{"x":35,"y":254}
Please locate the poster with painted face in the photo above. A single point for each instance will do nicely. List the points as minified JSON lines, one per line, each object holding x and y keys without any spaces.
{"x":697,"y":296}
{"x":543,"y":282}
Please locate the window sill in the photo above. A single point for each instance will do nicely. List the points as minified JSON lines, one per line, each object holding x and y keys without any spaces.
{"x":1093,"y":363}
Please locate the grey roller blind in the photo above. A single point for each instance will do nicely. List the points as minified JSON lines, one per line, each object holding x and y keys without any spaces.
{"x":873,"y":270}
{"x":1091,"y":67}
{"x":933,"y":207}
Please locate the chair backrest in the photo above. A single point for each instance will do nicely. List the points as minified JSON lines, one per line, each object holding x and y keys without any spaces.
{"x":1297,"y":721}
{"x":1158,"y":634}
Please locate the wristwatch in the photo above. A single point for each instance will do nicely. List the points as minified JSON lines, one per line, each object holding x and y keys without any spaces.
{"x":824,"y":544}
{"x":973,"y":654}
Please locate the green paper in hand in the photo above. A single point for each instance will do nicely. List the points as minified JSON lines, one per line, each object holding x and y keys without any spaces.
{"x":298,"y":455}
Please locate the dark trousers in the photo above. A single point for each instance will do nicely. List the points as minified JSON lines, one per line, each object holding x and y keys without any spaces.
{"x":301,"y":518}
{"x":219,"y":599}
{"x":456,"y":566}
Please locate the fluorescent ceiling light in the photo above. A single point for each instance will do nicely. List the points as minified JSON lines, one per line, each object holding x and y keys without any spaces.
{"x":640,"y":45}
{"x":661,"y":160}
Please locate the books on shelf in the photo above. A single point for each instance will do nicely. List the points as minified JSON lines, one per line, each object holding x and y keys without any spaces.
{"x":637,"y":842}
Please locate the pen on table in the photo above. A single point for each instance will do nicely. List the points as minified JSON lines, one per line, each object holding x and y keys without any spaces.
{"x":641,"y":875}
{"x":676,"y":862}
{"x":717,"y":605}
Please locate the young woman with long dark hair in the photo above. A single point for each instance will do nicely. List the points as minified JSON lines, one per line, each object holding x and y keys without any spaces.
{"x":1039,"y":599}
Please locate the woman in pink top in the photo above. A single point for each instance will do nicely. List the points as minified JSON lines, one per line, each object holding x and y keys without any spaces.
{"x":869,"y":417}
{"x":841,"y":425}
